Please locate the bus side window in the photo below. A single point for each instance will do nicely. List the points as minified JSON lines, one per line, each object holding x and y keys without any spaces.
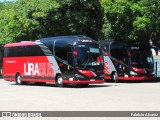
{"x":35,"y":51}
{"x":12,"y":52}
{"x":119,"y":52}
{"x":61,"y":53}
{"x":19,"y":51}
{"x":60,"y":50}
{"x":6,"y":52}
{"x":70,"y":58}
{"x":104,"y":50}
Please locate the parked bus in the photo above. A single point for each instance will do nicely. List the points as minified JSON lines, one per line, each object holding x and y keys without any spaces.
{"x":156,"y":59}
{"x":127,"y":60}
{"x":61,"y":60}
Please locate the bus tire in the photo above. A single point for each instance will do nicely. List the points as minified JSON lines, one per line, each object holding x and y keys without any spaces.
{"x":114,"y":77}
{"x":1,"y":72}
{"x":19,"y":79}
{"x":59,"y":81}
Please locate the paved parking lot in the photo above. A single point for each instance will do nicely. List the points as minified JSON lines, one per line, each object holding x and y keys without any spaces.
{"x":126,"y":96}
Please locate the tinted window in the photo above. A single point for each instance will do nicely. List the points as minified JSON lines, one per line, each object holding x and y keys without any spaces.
{"x":9,"y":52}
{"x":49,"y":45}
{"x":6,"y":52}
{"x":89,"y":56}
{"x":21,"y":51}
{"x":62,"y":51}
{"x":35,"y":51}
{"x":119,"y":51}
{"x":104,"y":49}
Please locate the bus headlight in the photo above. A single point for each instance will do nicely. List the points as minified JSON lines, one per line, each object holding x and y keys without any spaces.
{"x":133,"y":73}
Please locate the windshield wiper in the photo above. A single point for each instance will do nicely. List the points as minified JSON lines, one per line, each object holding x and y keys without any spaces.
{"x":86,"y":63}
{"x":63,"y":61}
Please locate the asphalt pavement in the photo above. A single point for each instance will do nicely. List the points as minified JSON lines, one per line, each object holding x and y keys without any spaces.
{"x":124,"y":96}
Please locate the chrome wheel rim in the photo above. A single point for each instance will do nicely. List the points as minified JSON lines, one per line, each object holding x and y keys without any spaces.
{"x":60,"y":80}
{"x":18,"y":79}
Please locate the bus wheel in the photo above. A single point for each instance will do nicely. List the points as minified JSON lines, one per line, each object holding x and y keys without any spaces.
{"x":59,"y":82}
{"x":115,"y":77}
{"x":18,"y":79}
{"x":1,"y":72}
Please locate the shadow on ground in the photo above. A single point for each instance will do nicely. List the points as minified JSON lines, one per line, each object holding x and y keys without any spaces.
{"x":140,"y":81}
{"x":67,"y":86}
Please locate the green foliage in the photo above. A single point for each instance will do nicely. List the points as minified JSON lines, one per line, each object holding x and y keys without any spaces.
{"x":26,"y":20}
{"x":134,"y":19}
{"x":118,"y":14}
{"x":2,"y":5}
{"x":34,"y":19}
{"x":6,"y":15}
{"x":99,"y":19}
{"x":32,"y":16}
{"x":80,"y":17}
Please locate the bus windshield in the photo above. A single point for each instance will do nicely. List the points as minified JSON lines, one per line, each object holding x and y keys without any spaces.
{"x":141,"y":58}
{"x":88,"y":56}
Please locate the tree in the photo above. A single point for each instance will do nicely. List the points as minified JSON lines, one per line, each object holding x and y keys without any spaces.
{"x":133,"y":20}
{"x":26,"y":20}
{"x":118,"y":14}
{"x":6,"y":15}
{"x":81,"y":17}
{"x":34,"y":19}
{"x":151,"y":16}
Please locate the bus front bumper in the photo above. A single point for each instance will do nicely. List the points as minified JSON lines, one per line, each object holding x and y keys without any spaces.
{"x":83,"y":81}
{"x":137,"y":78}
{"x":132,"y":78}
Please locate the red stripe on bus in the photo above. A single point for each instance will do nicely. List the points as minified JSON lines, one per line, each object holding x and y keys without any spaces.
{"x":19,"y":44}
{"x":133,"y":78}
{"x":83,"y":82}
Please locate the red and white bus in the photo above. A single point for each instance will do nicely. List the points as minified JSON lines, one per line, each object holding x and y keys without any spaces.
{"x":61,"y":60}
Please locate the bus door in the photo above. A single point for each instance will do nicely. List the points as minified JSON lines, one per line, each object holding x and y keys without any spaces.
{"x":120,"y":57}
{"x":64,"y":57}
{"x":70,"y":60}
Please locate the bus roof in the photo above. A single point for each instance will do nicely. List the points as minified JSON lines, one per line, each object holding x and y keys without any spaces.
{"x":129,"y":43}
{"x":23,"y":43}
{"x":74,"y":37}
{"x":68,"y":39}
{"x":105,"y":42}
